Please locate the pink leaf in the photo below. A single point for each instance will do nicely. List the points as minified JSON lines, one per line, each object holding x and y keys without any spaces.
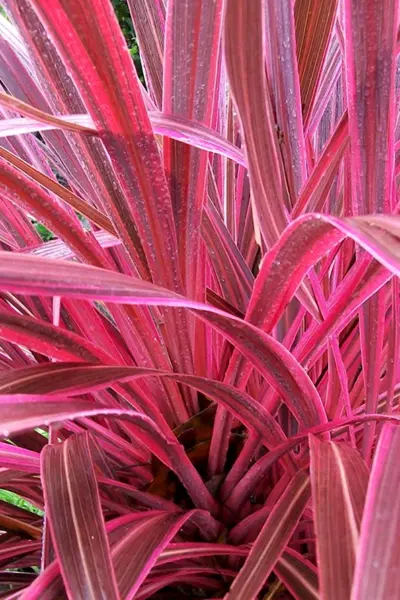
{"x":376,"y":573}
{"x":285,"y":85}
{"x":272,"y":539}
{"x":76,"y":520}
{"x":14,"y":457}
{"x":314,"y":22}
{"x":137,"y":551}
{"x":370,"y":71}
{"x":191,"y":60}
{"x":339,"y":478}
{"x":298,"y":575}
{"x":149,"y":22}
{"x":69,"y":197}
{"x":267,"y":355}
{"x":173,"y":126}
{"x":17,"y":416}
{"x":245,"y":63}
{"x":91,"y":44}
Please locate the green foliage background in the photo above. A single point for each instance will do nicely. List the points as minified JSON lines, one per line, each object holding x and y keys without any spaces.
{"x":125,"y":21}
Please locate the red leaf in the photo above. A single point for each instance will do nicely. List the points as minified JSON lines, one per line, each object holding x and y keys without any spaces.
{"x":298,"y":575}
{"x":272,"y":539}
{"x":137,"y":551}
{"x":285,"y":85}
{"x":149,"y":22}
{"x":339,"y":478}
{"x":192,"y":45}
{"x":22,"y":412}
{"x":266,"y":354}
{"x":245,"y":63}
{"x":376,"y":574}
{"x":18,"y":549}
{"x":76,"y":520}
{"x":314,"y":22}
{"x":370,"y":74}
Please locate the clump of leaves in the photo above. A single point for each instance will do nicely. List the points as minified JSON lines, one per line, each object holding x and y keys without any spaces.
{"x":199,"y":375}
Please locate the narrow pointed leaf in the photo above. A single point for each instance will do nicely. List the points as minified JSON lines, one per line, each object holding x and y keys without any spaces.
{"x":76,"y":521}
{"x":298,"y":575}
{"x":14,"y":457}
{"x":281,"y":43}
{"x":339,"y":479}
{"x":245,"y":62}
{"x":314,"y":23}
{"x":376,"y":573}
{"x":191,"y":59}
{"x":45,"y":410}
{"x":149,"y":21}
{"x":137,"y":551}
{"x":98,"y":58}
{"x":73,"y":379}
{"x":272,"y":539}
{"x":267,"y":355}
{"x":370,"y":74}
{"x":105,"y":77}
{"x":173,"y":126}
{"x":370,"y":77}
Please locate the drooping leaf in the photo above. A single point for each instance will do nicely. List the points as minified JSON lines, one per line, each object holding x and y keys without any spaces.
{"x":176,"y":127}
{"x":22,"y":412}
{"x":77,"y":379}
{"x":267,"y":355}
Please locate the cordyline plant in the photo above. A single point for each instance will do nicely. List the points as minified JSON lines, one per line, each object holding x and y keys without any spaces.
{"x":199,"y":370}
